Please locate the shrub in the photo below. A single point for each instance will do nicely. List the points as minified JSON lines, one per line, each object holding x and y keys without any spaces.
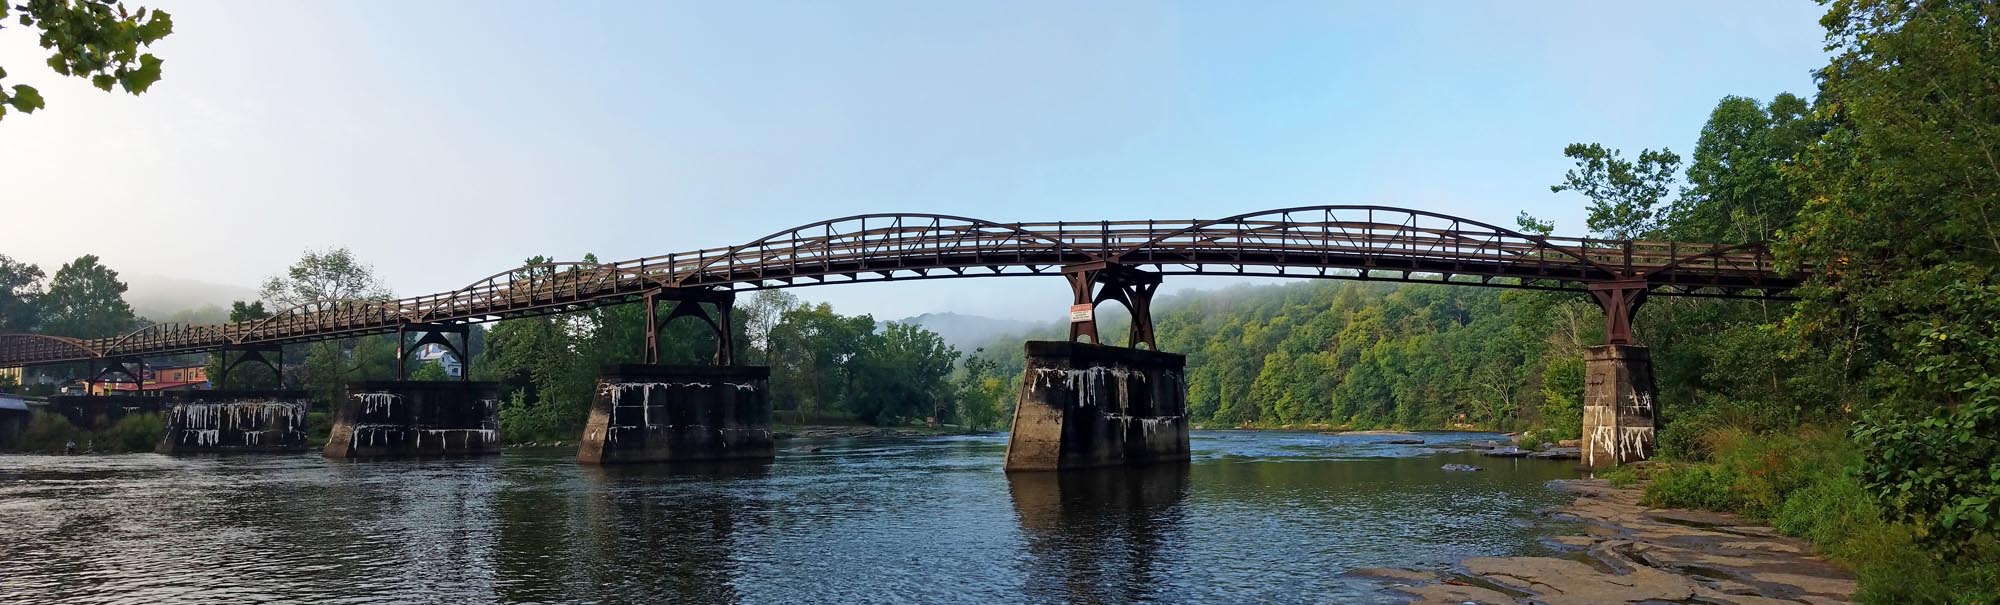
{"x":132,"y":433}
{"x":48,"y":432}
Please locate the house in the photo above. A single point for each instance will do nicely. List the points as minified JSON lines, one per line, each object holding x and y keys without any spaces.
{"x":158,"y":378}
{"x":433,"y":352}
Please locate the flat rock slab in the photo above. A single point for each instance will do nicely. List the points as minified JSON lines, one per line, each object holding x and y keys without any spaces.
{"x":1634,"y":554}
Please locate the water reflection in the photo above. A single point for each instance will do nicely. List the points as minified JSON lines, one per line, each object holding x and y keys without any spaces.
{"x":648,"y":533}
{"x":1098,"y":536}
{"x":1257,"y":517}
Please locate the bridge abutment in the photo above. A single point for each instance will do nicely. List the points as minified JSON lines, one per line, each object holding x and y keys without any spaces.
{"x":99,"y":412}
{"x":235,"y":421}
{"x":1088,"y":406}
{"x":387,"y":419}
{"x":1618,"y":405}
{"x":663,"y":413}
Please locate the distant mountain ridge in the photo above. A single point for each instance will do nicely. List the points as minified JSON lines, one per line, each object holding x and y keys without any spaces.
{"x":967,"y":332}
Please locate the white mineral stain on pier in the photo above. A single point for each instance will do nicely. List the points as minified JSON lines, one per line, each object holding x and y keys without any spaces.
{"x":203,"y":423}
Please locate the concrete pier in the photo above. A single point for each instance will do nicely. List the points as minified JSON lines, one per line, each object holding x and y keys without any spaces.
{"x":1087,"y":406}
{"x":235,"y":421}
{"x":1618,"y":405}
{"x":655,"y":413}
{"x":416,"y":418}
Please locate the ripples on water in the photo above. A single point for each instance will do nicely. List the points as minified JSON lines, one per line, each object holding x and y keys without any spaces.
{"x":1258,"y":517}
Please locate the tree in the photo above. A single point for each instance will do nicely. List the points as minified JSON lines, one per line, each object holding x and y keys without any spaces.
{"x":20,"y":293}
{"x":322,"y":276}
{"x":1736,"y":190}
{"x":98,"y":40}
{"x":1625,"y":197}
{"x":86,"y":300}
{"x":901,"y":373}
{"x":982,"y":394}
{"x":812,"y":352}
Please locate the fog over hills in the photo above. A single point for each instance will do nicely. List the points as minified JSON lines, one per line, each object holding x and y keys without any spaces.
{"x":967,"y":332}
{"x":162,"y":298}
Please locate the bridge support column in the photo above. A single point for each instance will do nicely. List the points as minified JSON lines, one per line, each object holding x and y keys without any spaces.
{"x":416,"y":418}
{"x":687,"y":303}
{"x":269,"y":356}
{"x":1618,"y":405}
{"x":654,"y":413}
{"x":1094,"y":283}
{"x":1618,"y":395}
{"x":434,"y":334}
{"x":1085,"y":406}
{"x":235,"y":421}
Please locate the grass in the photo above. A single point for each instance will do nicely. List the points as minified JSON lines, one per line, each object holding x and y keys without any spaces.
{"x":1801,"y":482}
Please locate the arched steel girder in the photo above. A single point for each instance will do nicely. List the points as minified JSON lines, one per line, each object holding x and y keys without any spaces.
{"x":18,"y":345}
{"x":895,"y":223}
{"x":1368,"y":225}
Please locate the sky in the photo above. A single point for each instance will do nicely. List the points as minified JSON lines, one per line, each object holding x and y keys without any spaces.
{"x":446,"y":141}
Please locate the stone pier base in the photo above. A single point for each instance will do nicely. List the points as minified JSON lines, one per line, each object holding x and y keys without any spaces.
{"x":386,"y":419}
{"x":653,"y":413}
{"x":1087,"y":406}
{"x":1618,"y":405}
{"x":235,"y":421}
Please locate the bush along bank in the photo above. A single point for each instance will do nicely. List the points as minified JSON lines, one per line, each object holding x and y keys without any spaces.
{"x":52,"y":434}
{"x":1811,"y":483}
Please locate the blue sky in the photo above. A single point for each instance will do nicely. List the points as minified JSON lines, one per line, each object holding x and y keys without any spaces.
{"x":446,"y":141}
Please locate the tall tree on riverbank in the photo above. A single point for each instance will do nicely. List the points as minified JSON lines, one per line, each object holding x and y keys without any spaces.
{"x":327,"y":275}
{"x":86,"y":300}
{"x":20,"y":294}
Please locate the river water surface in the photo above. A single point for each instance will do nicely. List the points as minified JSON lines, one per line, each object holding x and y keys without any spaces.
{"x":1258,"y":517}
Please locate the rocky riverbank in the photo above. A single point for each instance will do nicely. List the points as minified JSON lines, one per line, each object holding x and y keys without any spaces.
{"x":1631,"y":553}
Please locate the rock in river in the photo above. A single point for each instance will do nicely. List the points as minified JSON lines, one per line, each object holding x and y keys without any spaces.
{"x":1462,"y":468}
{"x":1505,"y":452}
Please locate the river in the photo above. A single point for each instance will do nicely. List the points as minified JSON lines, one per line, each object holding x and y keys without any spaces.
{"x":1259,"y":516}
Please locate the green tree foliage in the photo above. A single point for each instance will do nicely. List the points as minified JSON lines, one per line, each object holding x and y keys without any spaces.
{"x":1902,"y":229}
{"x":1628,"y":199}
{"x":98,"y":40}
{"x":902,"y":372}
{"x":333,"y":274}
{"x":1367,"y":355}
{"x":20,"y":293}
{"x":812,"y":356}
{"x":1736,"y":192}
{"x":984,"y":394}
{"x":86,"y":300}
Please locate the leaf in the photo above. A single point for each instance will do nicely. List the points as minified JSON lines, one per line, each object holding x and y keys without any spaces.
{"x":138,"y":80}
{"x":26,"y":98}
{"x":103,"y":81}
{"x":57,"y":63}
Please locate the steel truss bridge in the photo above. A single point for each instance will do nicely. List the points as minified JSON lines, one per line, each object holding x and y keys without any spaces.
{"x":1103,"y":260}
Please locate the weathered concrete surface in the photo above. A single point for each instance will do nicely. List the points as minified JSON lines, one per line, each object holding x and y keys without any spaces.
{"x":235,"y":421}
{"x":1634,"y":554}
{"x":654,"y":413}
{"x":1088,"y":406}
{"x":398,"y":418}
{"x":1618,"y":405}
{"x":99,"y":412}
